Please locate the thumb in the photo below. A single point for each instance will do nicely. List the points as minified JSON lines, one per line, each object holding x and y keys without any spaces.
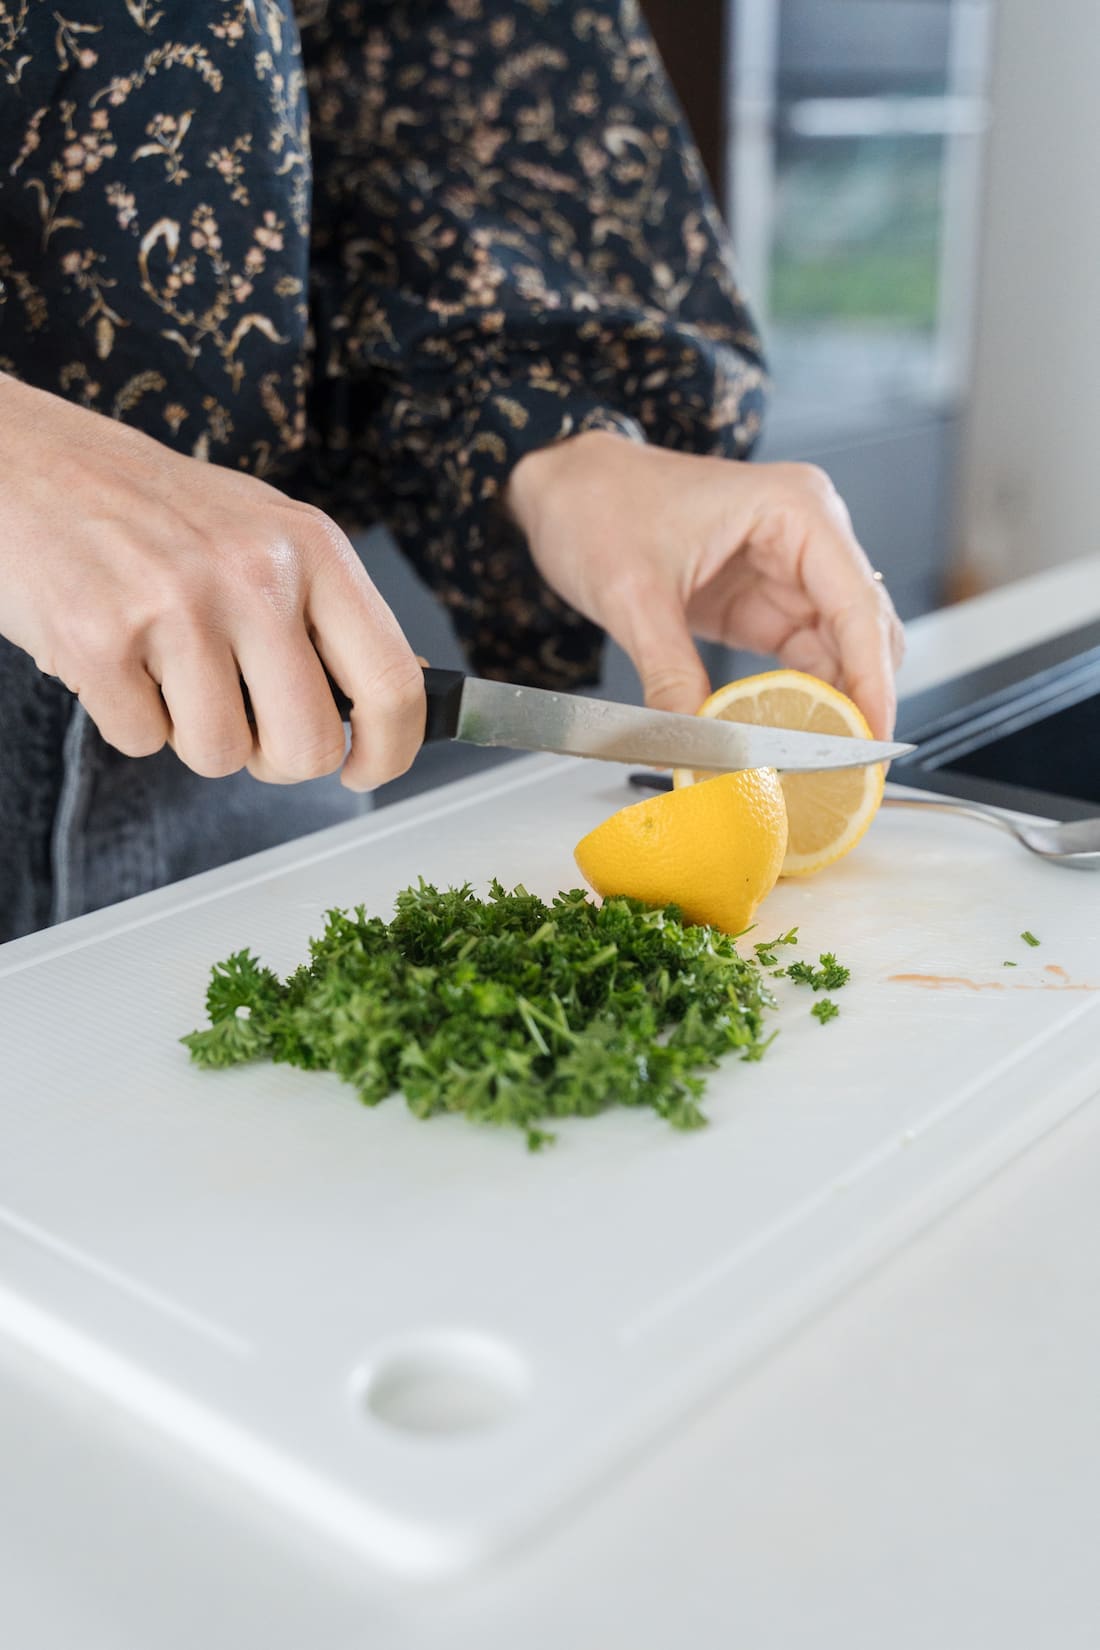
{"x":659,"y":642}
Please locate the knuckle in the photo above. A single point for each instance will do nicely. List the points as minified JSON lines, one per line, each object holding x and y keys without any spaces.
{"x":177,"y":613}
{"x":90,"y":641}
{"x":157,"y":563}
{"x":137,"y":742}
{"x":261,"y":566}
{"x":215,"y":760}
{"x":668,"y":684}
{"x":818,"y":490}
{"x":311,"y":760}
{"x":398,"y":688}
{"x":816,"y":482}
{"x":266,"y":569}
{"x":165,"y":597}
{"x":124,"y":733}
{"x":318,"y":518}
{"x":323,"y":758}
{"x":322,"y":536}
{"x":185,"y":587}
{"x":261,"y":770}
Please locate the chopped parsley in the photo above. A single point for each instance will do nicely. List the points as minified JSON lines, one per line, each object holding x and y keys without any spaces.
{"x":766,"y":949}
{"x":1028,"y":937}
{"x":507,"y":1010}
{"x":830,"y":976}
{"x":825,"y":1010}
{"x":1010,"y":965}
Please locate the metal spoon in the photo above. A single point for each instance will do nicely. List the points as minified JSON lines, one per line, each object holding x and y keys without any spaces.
{"x":1075,"y":843}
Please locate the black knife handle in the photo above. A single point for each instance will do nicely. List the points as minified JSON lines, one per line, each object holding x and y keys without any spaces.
{"x":444,"y":690}
{"x":444,"y":693}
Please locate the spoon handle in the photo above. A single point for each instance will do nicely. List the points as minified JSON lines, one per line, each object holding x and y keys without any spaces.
{"x":970,"y":810}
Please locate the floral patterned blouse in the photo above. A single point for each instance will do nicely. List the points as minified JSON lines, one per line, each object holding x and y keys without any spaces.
{"x":373,"y":251}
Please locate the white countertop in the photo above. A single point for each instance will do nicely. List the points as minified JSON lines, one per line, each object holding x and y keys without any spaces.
{"x":972,"y":634}
{"x":919,"y":1467}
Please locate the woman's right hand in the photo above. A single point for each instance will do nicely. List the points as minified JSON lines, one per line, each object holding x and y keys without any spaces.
{"x":150,"y":584}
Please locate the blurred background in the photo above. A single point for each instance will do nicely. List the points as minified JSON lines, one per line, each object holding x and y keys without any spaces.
{"x":911,"y":188}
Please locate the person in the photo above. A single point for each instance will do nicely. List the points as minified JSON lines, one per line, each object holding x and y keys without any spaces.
{"x":270,"y":273}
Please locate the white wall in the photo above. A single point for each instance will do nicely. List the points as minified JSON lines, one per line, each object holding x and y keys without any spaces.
{"x":1030,"y":492}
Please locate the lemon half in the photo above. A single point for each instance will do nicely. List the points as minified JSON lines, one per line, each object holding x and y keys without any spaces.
{"x":714,"y":849}
{"x":827,"y":812}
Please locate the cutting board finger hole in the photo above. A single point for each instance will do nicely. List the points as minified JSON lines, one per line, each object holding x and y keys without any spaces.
{"x":444,"y":1382}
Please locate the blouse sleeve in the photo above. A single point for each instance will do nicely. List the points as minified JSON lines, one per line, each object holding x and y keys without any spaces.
{"x":519,"y":246}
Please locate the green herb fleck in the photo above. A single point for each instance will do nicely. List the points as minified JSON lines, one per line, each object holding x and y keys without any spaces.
{"x":766,"y":949}
{"x":835,"y":973}
{"x":1028,"y":937}
{"x":830,"y":976}
{"x":1009,"y":965}
{"x":825,"y":1010}
{"x":508,"y":1010}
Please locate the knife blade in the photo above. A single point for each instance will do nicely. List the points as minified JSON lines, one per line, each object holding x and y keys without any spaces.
{"x":505,"y":715}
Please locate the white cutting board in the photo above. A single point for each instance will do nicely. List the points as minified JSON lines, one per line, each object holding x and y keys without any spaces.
{"x":248,"y":1260}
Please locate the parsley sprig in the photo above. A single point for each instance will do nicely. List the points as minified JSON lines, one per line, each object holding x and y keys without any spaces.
{"x":830,"y":976}
{"x":766,"y":949}
{"x":508,"y":1010}
{"x":825,"y":1010}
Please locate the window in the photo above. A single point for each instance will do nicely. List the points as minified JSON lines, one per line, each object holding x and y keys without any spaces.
{"x":854,"y":148}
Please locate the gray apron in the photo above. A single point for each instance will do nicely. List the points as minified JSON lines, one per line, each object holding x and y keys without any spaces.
{"x":84,"y":826}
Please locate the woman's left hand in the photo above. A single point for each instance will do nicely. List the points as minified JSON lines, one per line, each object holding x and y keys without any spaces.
{"x":657,"y":546}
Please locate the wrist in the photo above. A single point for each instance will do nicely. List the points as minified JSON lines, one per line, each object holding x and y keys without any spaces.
{"x":542,"y":470}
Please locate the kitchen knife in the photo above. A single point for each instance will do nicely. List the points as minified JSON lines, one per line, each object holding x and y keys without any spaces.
{"x":479,"y":712}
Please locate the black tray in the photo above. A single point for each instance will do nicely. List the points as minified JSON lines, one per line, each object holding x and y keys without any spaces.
{"x":1022,"y":733}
